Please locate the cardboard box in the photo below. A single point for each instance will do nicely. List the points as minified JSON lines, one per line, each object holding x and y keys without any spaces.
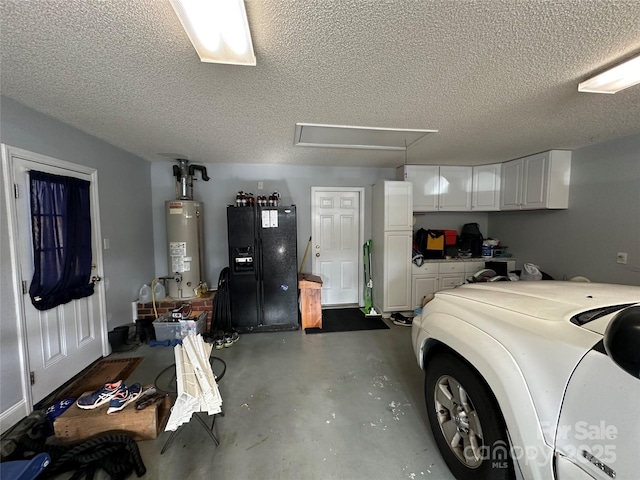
{"x":76,"y":425}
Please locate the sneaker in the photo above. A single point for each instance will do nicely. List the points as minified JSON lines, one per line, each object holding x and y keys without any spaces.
{"x":231,"y":338}
{"x":399,"y":319}
{"x":100,"y":397}
{"x":124,"y":397}
{"x":218,"y":340}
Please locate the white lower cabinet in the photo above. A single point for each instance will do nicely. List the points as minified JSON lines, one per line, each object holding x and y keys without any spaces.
{"x":450,"y":281}
{"x":450,"y":275}
{"x":397,"y":278}
{"x":424,"y":281}
{"x":422,"y":286}
{"x":432,"y":277}
{"x":473,"y":267}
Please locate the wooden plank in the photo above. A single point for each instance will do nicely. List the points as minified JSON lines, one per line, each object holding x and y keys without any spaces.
{"x":311,"y":307}
{"x":306,"y":280}
{"x":76,"y":424}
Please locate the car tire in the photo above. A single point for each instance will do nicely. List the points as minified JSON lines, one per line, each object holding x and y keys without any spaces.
{"x":465,"y":420}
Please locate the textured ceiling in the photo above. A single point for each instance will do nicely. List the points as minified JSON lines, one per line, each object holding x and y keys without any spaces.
{"x":497,"y":78}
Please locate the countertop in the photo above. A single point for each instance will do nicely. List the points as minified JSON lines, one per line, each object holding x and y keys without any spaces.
{"x":468,"y":259}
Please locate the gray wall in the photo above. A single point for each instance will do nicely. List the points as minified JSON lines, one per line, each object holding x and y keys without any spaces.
{"x":603,"y":218}
{"x":125,"y":203}
{"x":10,"y":385}
{"x":452,"y":221}
{"x":292,"y":182}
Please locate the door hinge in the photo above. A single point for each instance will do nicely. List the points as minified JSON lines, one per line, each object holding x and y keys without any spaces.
{"x":25,"y":290}
{"x":16,"y":190}
{"x":32,"y":376}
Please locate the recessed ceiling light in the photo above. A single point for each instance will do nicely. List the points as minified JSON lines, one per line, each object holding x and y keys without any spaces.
{"x":614,"y":79}
{"x":218,"y":29}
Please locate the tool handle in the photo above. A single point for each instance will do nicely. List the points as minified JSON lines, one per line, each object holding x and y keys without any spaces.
{"x":165,"y":343}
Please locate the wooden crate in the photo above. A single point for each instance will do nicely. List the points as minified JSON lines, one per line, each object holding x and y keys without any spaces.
{"x":311,"y":304}
{"x":76,"y":424}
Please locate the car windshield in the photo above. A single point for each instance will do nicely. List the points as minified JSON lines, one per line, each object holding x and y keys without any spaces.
{"x":590,"y":315}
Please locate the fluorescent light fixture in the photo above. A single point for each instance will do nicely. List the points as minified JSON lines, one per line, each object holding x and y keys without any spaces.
{"x":615,"y":79}
{"x":218,"y":29}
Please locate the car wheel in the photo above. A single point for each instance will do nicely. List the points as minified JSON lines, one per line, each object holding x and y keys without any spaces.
{"x":466,"y":422}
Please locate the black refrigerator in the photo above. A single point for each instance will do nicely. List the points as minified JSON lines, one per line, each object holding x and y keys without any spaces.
{"x":263,"y":260}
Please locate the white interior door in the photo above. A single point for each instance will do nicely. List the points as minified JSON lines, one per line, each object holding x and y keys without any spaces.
{"x":64,"y":340}
{"x":336,"y":236}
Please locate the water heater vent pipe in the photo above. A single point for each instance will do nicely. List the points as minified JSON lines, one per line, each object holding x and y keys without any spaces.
{"x":184,"y":178}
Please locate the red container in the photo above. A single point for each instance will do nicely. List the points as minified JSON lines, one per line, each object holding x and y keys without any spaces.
{"x":450,"y":237}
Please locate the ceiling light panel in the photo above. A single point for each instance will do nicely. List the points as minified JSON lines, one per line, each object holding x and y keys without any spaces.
{"x":218,"y":29}
{"x":614,"y":79}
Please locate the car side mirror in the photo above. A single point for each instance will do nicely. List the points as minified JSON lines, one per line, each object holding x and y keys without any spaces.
{"x":622,"y":340}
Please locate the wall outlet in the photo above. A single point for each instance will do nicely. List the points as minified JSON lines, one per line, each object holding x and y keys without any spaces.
{"x":260,"y":185}
{"x":621,"y":258}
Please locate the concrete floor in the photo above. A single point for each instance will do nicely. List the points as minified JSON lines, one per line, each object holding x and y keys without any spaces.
{"x":325,"y":406}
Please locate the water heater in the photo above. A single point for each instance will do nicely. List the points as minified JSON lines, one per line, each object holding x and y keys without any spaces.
{"x":185,"y":234}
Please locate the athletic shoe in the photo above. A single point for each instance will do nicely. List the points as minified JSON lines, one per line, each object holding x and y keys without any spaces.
{"x":124,"y":397}
{"x":218,"y":340}
{"x":100,"y":397}
{"x":399,"y":319}
{"x":231,"y":338}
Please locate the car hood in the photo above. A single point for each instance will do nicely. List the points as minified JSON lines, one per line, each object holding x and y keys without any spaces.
{"x":549,"y":300}
{"x":532,"y":321}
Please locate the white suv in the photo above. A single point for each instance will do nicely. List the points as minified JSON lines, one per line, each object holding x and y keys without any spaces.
{"x":534,"y":380}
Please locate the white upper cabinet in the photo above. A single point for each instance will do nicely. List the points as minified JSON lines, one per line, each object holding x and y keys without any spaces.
{"x":397,"y":206}
{"x":538,"y":181}
{"x":438,"y":188}
{"x":511,"y":185}
{"x":455,"y":189}
{"x":485,"y":196}
{"x":425,"y":185}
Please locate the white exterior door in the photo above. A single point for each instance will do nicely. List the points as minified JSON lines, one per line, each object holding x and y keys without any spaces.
{"x":64,"y":340}
{"x":336,"y":243}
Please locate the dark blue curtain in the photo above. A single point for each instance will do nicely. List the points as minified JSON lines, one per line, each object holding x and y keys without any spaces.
{"x":61,"y":226}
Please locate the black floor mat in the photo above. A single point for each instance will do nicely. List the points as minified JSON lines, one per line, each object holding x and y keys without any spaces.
{"x":347,"y":320}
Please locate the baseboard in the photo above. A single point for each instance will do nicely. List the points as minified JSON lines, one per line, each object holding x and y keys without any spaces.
{"x":11,"y":416}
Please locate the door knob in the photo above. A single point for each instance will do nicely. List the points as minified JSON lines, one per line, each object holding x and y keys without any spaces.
{"x":318,"y":254}
{"x":95,"y":279}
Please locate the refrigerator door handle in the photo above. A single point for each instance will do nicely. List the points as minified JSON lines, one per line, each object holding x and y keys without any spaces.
{"x":260,"y":262}
{"x":257,"y":257}
{"x":260,"y":283}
